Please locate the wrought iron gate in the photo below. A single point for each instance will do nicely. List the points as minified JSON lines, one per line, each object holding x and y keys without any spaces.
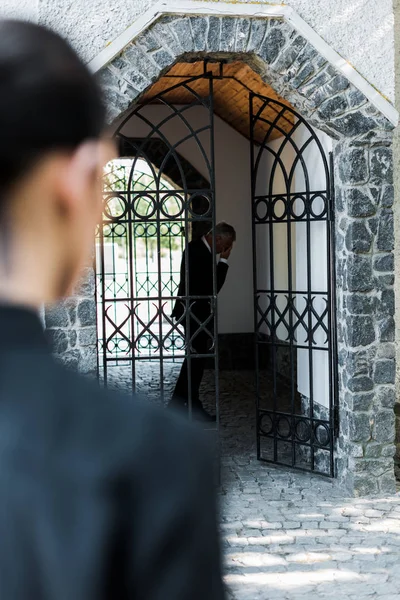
{"x":154,"y":202}
{"x":292,"y":214}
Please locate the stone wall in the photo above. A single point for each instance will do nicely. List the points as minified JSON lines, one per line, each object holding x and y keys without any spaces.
{"x":71,"y":327}
{"x":396,"y":156}
{"x":365,"y":276}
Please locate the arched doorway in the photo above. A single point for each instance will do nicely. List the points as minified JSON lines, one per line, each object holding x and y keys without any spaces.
{"x":326,"y":91}
{"x":155,"y":207}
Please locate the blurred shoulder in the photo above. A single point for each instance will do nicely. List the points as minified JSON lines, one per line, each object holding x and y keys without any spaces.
{"x":128,"y":424}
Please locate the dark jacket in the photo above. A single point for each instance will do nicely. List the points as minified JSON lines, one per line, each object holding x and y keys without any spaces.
{"x":101,"y":497}
{"x":200,"y":271}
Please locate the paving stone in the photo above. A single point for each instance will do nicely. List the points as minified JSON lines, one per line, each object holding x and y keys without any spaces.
{"x":289,"y":535}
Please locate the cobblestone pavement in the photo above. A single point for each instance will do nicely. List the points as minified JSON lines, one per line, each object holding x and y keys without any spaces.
{"x":291,"y":535}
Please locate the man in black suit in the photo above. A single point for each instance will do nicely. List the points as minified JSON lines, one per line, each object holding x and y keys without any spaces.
{"x":193,"y":309}
{"x":102,"y":498}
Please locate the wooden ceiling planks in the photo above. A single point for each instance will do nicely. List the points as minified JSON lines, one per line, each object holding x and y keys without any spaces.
{"x":231,"y":96}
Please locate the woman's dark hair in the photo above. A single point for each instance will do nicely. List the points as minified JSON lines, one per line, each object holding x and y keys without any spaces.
{"x":48,"y":98}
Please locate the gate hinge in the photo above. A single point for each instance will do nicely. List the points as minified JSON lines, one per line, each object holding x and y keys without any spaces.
{"x":336,"y":421}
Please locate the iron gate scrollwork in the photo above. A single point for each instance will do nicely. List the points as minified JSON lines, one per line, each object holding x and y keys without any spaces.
{"x":292,"y":214}
{"x":154,"y":202}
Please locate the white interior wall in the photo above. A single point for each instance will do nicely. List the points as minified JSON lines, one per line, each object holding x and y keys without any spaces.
{"x":233,"y":202}
{"x":317,"y":270}
{"x":280,"y":236}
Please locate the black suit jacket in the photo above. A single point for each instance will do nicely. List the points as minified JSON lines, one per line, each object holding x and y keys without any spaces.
{"x":200,"y":271}
{"x":101,"y":497}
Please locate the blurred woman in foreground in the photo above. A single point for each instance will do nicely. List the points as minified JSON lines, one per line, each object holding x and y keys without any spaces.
{"x":101,"y":497}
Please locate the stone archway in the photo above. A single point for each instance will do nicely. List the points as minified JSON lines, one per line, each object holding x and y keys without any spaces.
{"x":363,"y":212}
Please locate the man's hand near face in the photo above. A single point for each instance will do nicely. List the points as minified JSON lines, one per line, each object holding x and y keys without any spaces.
{"x":227,"y":252}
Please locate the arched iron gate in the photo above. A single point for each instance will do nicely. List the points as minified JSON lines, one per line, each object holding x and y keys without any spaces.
{"x":152,"y":208}
{"x":292,"y":207}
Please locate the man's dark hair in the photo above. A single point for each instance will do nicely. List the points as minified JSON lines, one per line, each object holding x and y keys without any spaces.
{"x":48,"y":98}
{"x":225,"y":230}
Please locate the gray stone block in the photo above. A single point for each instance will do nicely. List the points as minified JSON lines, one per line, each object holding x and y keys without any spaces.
{"x":88,"y":336}
{"x":360,"y":384}
{"x":356,"y":98}
{"x":242,"y":34}
{"x":314,"y":83}
{"x":360,"y":427}
{"x":361,"y":304}
{"x":163,"y":59}
{"x":199,"y":29}
{"x":353,"y":166}
{"x":387,"y":486}
{"x":71,"y":305}
{"x":386,"y":305}
{"x":214,"y":34}
{"x":384,"y":262}
{"x":272,"y":45}
{"x":333,"y":107}
{"x":365,"y":485}
{"x":385,"y":371}
{"x":339,"y":246}
{"x":119,"y":100}
{"x":358,"y":237}
{"x":385,"y":396}
{"x":87,"y":313}
{"x":359,"y":273}
{"x":386,"y":329}
{"x":72,"y":338}
{"x":137,"y":59}
{"x":169,"y":41}
{"x":288,"y":56}
{"x":373,"y":225}
{"x":137,"y":80}
{"x":359,"y":203}
{"x":385,"y":237}
{"x":381,"y":165}
{"x":359,"y":362}
{"x":56,"y":316}
{"x":360,"y":331}
{"x":258,"y":29}
{"x":150,"y":41}
{"x":183,"y":32}
{"x":338,"y":83}
{"x":384,"y":282}
{"x":387,"y":196}
{"x":372,"y":450}
{"x":384,"y":427}
{"x":374,"y":467}
{"x":228,"y":35}
{"x":361,"y":402}
{"x":88,"y":361}
{"x":389,"y":450}
{"x":303,"y":75}
{"x":339,"y":199}
{"x":353,"y":124}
